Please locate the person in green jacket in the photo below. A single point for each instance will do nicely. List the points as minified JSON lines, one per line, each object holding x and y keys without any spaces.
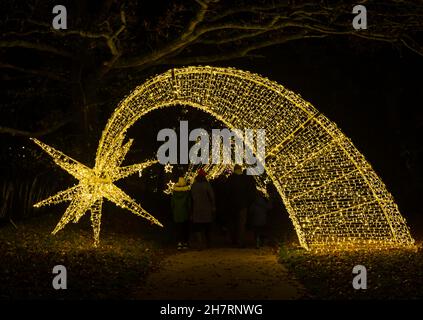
{"x":181,"y":207}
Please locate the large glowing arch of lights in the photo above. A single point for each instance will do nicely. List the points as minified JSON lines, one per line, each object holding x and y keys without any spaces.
{"x":333,"y":196}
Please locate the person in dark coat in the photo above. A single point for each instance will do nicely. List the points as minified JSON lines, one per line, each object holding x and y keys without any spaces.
{"x":222,"y":199}
{"x":181,"y":207}
{"x":203,"y":208}
{"x":241,"y":188}
{"x":258,"y":217}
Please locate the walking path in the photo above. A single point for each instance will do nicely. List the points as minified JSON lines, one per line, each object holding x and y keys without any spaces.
{"x":221,"y":273}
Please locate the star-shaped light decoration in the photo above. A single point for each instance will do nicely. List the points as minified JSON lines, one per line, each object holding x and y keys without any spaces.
{"x":168,"y":168}
{"x":94,"y":185}
{"x":170,"y":186}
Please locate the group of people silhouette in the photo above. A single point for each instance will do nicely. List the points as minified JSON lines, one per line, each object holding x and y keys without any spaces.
{"x":231,"y":203}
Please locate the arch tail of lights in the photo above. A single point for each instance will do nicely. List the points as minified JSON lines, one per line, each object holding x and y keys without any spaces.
{"x":333,"y":196}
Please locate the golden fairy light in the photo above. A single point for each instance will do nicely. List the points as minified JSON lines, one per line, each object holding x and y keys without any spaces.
{"x":168,"y":168}
{"x":333,"y":196}
{"x":94,"y":185}
{"x":170,"y":185}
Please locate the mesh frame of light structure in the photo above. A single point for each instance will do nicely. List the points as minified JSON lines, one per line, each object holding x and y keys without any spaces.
{"x":94,"y":185}
{"x":333,"y":196}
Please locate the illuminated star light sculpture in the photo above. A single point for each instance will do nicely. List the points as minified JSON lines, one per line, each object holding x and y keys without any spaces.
{"x":94,"y":185}
{"x":332,"y":194}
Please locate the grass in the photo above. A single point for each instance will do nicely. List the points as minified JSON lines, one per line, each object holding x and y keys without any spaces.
{"x":113,"y":271}
{"x":130,"y":249}
{"x":391,"y":274}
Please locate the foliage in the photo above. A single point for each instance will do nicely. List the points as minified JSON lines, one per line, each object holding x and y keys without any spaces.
{"x":391,"y":274}
{"x":29,"y":254}
{"x":17,"y":196}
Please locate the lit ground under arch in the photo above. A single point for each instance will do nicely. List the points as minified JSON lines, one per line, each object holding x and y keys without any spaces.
{"x":333,"y":196}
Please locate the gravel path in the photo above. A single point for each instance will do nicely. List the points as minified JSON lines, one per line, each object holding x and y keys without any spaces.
{"x":222,"y":273}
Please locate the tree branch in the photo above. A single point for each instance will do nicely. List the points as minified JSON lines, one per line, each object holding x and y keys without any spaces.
{"x":412,"y":45}
{"x":108,"y":37}
{"x":240,"y":52}
{"x":36,"y":134}
{"x":43,"y":73}
{"x":185,"y":39}
{"x":35,"y":46}
{"x":225,"y":27}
